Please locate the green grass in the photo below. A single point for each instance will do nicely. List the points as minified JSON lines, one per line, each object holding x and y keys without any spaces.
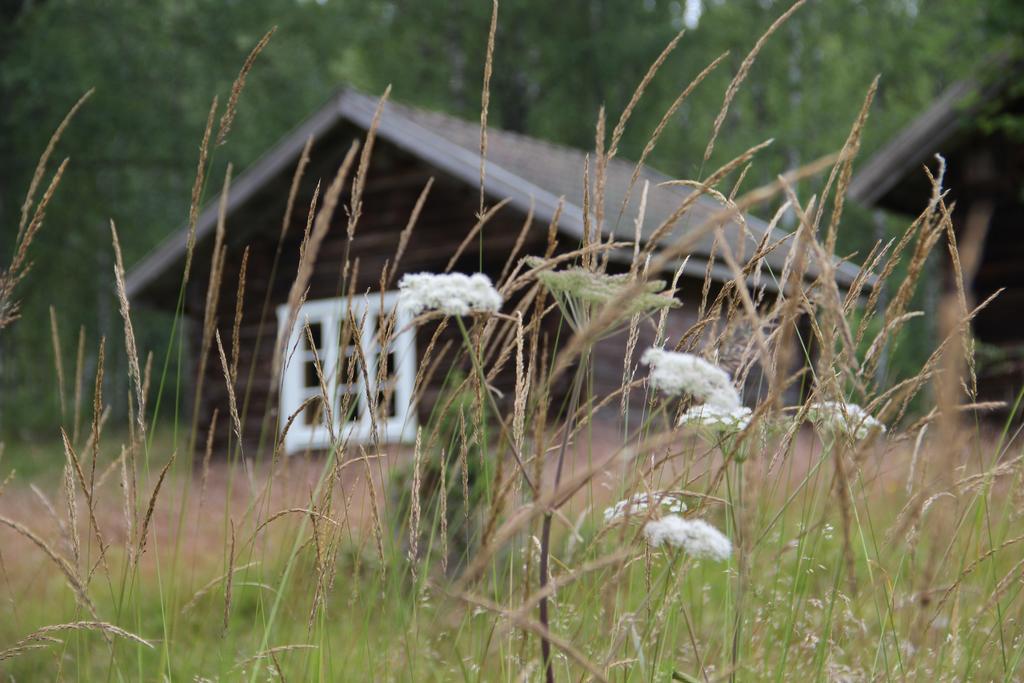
{"x":798,"y":616}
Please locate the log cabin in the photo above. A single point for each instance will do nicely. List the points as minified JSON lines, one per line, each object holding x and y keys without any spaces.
{"x":975,"y":125}
{"x":539,"y":181}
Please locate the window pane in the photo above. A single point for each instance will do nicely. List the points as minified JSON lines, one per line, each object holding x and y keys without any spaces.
{"x":386,"y":369}
{"x":311,"y":379}
{"x":315,"y":331}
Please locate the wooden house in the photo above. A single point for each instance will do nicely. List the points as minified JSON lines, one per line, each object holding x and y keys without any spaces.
{"x":412,"y":146}
{"x":984,"y":177}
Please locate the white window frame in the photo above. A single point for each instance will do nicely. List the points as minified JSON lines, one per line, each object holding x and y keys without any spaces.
{"x":331,"y":314}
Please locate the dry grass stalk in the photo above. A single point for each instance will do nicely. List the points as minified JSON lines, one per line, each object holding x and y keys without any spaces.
{"x":850,"y":148}
{"x":600,"y":178}
{"x":966,"y":260}
{"x":50,"y":510}
{"x":403,"y":238}
{"x":286,"y":222}
{"x":19,"y":265}
{"x":129,"y":334}
{"x":316,"y":232}
{"x":232,"y":402}
{"x":485,"y":100}
{"x":473,"y":232}
{"x":620,"y":126}
{"x":42,"y":635}
{"x":522,"y":389}
{"x":147,"y":374}
{"x":326,"y":401}
{"x":210,"y":585}
{"x":378,"y":532}
{"x":741,"y":75}
{"x":69,"y":572}
{"x":128,"y":509}
{"x":37,"y":174}
{"x":293,"y":192}
{"x":443,"y":511}
{"x":588,"y":222}
{"x":71,"y":503}
{"x":76,"y":465}
{"x":652,"y":141}
{"x":414,"y":509}
{"x":318,"y":566}
{"x":79,"y":374}
{"x":540,"y":630}
{"x":732,"y":214}
{"x":144,"y":530}
{"x":235,"y":329}
{"x":236,"y":88}
{"x":197,"y":190}
{"x":217,"y":259}
{"x":520,"y":240}
{"x":359,"y":181}
{"x":98,"y":413}
{"x":895,"y":254}
{"x":608,"y":314}
{"x":58,"y":361}
{"x":22,"y":648}
{"x":273,"y":652}
{"x":228,"y":582}
{"x":28,"y":228}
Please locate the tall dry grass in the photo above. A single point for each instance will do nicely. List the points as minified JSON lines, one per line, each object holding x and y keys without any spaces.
{"x":484,"y":554}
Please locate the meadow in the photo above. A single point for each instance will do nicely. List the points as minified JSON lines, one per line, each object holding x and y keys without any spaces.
{"x":845,"y":527}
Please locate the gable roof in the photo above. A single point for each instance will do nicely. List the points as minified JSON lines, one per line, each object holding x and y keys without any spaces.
{"x":527,"y":171}
{"x":932,"y":130}
{"x":913,"y":145}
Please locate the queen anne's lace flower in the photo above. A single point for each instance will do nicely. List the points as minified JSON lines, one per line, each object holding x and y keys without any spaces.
{"x":450,"y":293}
{"x":581,"y":292}
{"x":849,"y":419}
{"x":683,"y":373}
{"x":695,"y":537}
{"x":639,"y":504}
{"x":717,"y":419}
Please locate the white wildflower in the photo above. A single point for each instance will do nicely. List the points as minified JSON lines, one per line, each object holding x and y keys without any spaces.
{"x":835,"y":417}
{"x":639,"y":504}
{"x":683,"y":373}
{"x":450,"y":293}
{"x":581,"y":292}
{"x":695,"y":537}
{"x":716,"y":419}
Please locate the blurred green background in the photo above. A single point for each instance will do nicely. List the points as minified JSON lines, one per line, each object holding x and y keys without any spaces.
{"x":157,"y":64}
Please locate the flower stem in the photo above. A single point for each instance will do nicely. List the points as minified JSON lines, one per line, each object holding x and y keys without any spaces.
{"x":545,"y":534}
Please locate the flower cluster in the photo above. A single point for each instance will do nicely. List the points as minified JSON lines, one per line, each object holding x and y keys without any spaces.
{"x":847,"y":419}
{"x":449,"y":293}
{"x":683,"y":373}
{"x":695,"y":537}
{"x":581,"y":292}
{"x":717,"y":420}
{"x":639,"y":504}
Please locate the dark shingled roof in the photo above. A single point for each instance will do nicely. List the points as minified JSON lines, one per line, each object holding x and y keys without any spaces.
{"x":525,"y":170}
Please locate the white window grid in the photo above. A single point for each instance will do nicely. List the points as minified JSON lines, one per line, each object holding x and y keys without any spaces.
{"x":328,"y":319}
